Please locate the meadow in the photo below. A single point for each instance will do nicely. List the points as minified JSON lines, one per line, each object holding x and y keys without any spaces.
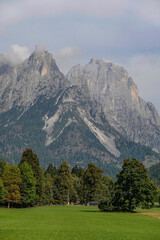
{"x":78,"y":223}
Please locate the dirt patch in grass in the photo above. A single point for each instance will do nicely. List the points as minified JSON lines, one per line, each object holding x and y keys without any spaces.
{"x":151,"y":214}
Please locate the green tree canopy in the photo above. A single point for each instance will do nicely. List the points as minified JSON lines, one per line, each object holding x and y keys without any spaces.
{"x":63,"y":185}
{"x":2,"y":191}
{"x":12,"y":180}
{"x":78,"y":171}
{"x":31,"y":158}
{"x":133,"y":187}
{"x":2,"y":166}
{"x":52,"y":170}
{"x":28,"y":185}
{"x":92,"y":181}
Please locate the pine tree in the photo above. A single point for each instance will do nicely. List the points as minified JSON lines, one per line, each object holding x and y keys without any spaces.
{"x":63,"y":185}
{"x":92,"y":181}
{"x":31,"y":158}
{"x":78,"y":171}
{"x":51,"y":170}
{"x":47,"y":196}
{"x":28,"y":185}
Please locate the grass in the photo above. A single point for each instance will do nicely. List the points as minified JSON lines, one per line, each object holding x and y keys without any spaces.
{"x":76,"y":223}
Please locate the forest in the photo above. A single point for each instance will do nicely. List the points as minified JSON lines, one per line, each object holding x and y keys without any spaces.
{"x":28,"y":185}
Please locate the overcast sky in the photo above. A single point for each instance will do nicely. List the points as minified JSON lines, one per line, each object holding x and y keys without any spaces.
{"x":126,"y":32}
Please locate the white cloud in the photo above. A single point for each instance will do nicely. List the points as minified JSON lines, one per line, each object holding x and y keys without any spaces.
{"x":17,"y":54}
{"x":145,"y":71}
{"x":67,"y":57}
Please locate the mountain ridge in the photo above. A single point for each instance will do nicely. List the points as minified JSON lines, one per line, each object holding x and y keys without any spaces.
{"x":112,"y":86}
{"x":42,"y":110}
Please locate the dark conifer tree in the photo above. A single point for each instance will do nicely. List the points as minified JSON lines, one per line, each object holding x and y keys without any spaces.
{"x":52,"y":170}
{"x":28,"y":186}
{"x":31,"y":158}
{"x":92,"y":181}
{"x":63,"y":185}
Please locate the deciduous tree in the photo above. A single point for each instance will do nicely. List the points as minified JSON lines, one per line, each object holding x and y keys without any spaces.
{"x":12,"y":179}
{"x":133,"y":187}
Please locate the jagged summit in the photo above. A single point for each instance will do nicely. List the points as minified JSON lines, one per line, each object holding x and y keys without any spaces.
{"x":42,"y":59}
{"x":22,"y":84}
{"x":112,"y":86}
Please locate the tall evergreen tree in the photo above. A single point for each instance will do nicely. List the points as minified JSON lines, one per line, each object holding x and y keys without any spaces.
{"x":63,"y":185}
{"x":92,"y":181}
{"x":47,"y":196}
{"x":12,"y":180}
{"x":52,"y":170}
{"x":78,"y":171}
{"x":28,"y":185}
{"x":31,"y":158}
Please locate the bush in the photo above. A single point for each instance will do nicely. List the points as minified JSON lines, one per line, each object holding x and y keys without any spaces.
{"x":106,"y":205}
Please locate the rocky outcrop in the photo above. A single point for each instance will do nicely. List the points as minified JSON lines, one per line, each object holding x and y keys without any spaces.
{"x":21,"y":85}
{"x":112,"y":86}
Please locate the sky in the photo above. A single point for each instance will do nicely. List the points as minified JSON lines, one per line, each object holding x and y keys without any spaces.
{"x":126,"y":32}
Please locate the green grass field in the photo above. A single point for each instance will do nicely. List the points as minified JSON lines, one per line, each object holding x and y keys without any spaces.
{"x":76,"y":222}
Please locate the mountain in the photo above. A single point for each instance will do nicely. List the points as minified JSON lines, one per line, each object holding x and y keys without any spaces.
{"x":59,"y":120}
{"x":115,"y":90}
{"x":21,"y":85}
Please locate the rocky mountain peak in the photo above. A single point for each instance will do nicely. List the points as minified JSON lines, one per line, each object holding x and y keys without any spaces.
{"x":116,"y":91}
{"x":24,"y":83}
{"x":42,"y":61}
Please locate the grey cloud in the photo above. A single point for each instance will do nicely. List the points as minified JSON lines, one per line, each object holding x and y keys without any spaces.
{"x":17,"y":10}
{"x":67,"y":57}
{"x":149,"y":10}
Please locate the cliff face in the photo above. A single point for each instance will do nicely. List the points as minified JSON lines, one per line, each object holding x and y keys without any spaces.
{"x":64,"y":119}
{"x":111,"y":86}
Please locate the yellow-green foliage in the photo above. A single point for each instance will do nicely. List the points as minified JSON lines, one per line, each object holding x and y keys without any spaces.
{"x":11,"y":180}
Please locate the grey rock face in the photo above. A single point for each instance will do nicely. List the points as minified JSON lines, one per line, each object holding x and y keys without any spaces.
{"x":111,"y":85}
{"x":67,"y":120}
{"x":21,"y":85}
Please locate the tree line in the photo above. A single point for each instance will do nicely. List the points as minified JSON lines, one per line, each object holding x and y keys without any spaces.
{"x":28,"y":185}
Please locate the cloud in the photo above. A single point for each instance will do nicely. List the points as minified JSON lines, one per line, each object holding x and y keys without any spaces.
{"x":16,"y":54}
{"x":67,"y":57}
{"x":147,"y":10}
{"x":18,"y":10}
{"x":145,"y":71}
